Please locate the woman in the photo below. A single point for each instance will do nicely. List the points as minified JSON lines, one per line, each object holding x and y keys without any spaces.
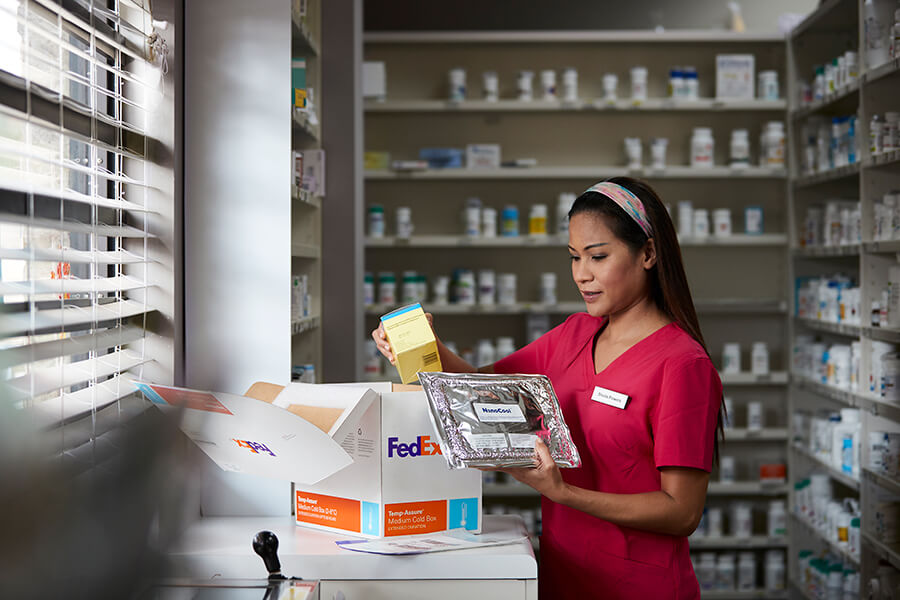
{"x":641,"y":397}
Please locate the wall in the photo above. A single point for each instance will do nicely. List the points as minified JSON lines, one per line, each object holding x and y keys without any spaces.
{"x":237,"y":148}
{"x":342,"y":211}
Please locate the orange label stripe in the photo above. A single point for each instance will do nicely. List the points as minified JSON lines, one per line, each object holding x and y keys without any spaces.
{"x":331,"y":511}
{"x":409,"y":518}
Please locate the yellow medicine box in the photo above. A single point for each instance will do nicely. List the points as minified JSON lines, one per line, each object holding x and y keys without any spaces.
{"x":412,"y":341}
{"x":376,"y":160}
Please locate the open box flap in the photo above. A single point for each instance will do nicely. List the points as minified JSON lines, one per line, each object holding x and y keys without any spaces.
{"x":337,"y":407}
{"x":246,"y":435}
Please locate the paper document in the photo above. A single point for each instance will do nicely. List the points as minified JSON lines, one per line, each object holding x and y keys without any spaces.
{"x":455,"y":539}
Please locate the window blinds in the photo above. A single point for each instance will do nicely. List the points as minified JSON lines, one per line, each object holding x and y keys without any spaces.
{"x":76,"y":88}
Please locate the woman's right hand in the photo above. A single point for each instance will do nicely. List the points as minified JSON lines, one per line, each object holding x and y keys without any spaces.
{"x":382,"y":343}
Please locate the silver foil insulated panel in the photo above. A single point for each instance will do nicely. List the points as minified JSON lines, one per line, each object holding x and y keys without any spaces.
{"x":493,"y":420}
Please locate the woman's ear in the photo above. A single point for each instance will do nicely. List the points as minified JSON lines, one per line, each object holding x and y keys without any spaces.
{"x":648,"y":260}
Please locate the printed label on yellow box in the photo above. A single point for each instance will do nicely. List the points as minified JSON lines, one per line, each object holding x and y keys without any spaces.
{"x":412,"y":341}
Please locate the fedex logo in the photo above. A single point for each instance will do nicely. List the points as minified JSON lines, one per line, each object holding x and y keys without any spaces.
{"x":423,"y":446}
{"x":254,"y":447}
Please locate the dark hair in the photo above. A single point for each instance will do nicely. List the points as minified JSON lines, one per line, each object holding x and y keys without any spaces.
{"x":669,"y":287}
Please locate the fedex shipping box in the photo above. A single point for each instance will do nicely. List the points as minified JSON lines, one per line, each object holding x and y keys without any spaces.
{"x":364,"y":462}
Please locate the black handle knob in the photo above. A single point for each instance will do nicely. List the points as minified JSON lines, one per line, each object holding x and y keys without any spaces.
{"x":266,"y":545}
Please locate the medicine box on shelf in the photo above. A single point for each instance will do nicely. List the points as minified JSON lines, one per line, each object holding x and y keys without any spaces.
{"x":374,"y":80}
{"x":735,"y":76}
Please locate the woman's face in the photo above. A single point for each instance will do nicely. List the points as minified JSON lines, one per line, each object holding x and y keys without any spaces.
{"x":609,"y":276}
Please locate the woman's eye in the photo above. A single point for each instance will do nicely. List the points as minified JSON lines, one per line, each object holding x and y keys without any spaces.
{"x":573,"y":258}
{"x":599,"y":256}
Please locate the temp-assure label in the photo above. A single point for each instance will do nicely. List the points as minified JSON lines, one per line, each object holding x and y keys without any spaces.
{"x":498,"y":413}
{"x":331,"y":511}
{"x":415,"y":517}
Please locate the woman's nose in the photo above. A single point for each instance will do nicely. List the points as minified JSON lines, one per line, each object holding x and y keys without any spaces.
{"x":580,"y":272}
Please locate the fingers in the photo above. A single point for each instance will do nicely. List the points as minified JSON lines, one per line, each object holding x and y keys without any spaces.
{"x":382,"y":343}
{"x":542,"y":453}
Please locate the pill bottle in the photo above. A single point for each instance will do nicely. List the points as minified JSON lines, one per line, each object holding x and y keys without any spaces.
{"x":457,"y":84}
{"x":510,"y":221}
{"x":702,"y":145}
{"x":376,"y":221}
{"x":491,"y":86}
{"x":537,"y":220}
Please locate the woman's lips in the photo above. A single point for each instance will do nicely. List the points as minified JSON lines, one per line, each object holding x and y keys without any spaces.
{"x":590,"y":296}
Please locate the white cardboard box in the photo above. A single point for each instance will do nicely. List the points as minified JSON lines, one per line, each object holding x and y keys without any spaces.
{"x":483,"y":156}
{"x":735,"y":76}
{"x":363,"y":462}
{"x":374,"y":80}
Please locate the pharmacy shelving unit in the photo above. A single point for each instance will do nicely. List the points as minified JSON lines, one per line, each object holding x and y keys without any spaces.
{"x":836,"y":26}
{"x":575,"y":145}
{"x":306,"y":208}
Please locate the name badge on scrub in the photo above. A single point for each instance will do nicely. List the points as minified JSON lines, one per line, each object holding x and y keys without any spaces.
{"x":605,"y":396}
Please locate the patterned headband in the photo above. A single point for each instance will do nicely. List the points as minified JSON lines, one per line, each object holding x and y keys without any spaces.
{"x":626,"y":200}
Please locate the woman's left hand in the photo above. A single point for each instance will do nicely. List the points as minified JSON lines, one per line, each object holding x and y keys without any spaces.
{"x":544,"y":477}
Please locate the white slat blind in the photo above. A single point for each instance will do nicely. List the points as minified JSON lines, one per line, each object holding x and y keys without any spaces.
{"x":76,"y":89}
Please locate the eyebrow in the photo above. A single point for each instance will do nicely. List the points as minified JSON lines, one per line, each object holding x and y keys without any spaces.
{"x":588,"y":247}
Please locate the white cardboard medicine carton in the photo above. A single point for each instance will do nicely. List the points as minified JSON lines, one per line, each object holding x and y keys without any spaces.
{"x":363,"y":462}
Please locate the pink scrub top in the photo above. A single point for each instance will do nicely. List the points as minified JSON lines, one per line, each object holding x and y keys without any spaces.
{"x":674,"y":394}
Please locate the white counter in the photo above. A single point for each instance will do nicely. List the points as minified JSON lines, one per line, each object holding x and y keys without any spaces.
{"x":221,"y":547}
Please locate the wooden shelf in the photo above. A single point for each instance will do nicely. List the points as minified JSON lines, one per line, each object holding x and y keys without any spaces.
{"x":875,"y":406}
{"x":519,"y":308}
{"x":891,"y":484}
{"x":305,"y":251}
{"x":884,"y":552}
{"x":508,"y":490}
{"x":727,"y":542}
{"x":728,"y":306}
{"x":882,"y":247}
{"x":304,"y":324}
{"x":599,"y":172}
{"x":302,"y":41}
{"x":801,"y":524}
{"x":801,"y":590}
{"x":768,"y":434}
{"x":835,"y":394}
{"x":724,"y":307}
{"x":831,"y":101}
{"x":827,"y":251}
{"x":305,"y":198}
{"x":306,"y":207}
{"x":739,"y":488}
{"x":884,"y":159}
{"x":517,"y":106}
{"x":828,"y":176}
{"x":303,"y":126}
{"x":773,"y":378}
{"x":740,"y":594}
{"x":889,"y":69}
{"x":528,"y":241}
{"x":885,"y":334}
{"x":843,"y":329}
{"x":570,"y":37}
{"x":829,"y":15}
{"x":833,"y":473}
{"x":746,"y":488}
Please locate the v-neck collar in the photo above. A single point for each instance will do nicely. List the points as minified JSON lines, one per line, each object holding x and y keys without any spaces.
{"x":591,"y":366}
